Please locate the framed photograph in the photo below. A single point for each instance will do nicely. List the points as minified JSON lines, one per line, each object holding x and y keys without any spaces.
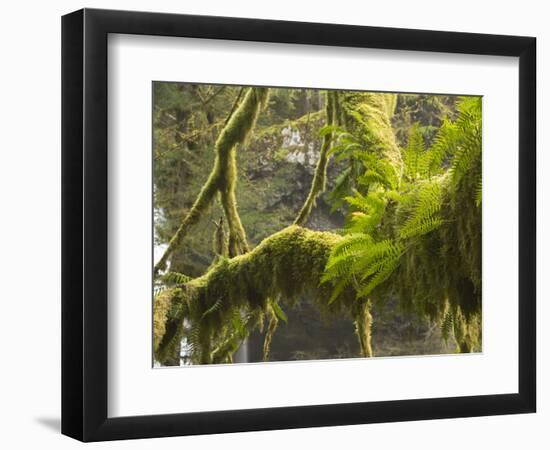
{"x":273,"y":224}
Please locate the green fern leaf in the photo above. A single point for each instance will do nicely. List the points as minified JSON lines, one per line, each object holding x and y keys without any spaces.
{"x":279,"y":312}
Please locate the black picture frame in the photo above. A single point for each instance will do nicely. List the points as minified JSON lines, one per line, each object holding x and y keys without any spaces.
{"x":84,"y":224}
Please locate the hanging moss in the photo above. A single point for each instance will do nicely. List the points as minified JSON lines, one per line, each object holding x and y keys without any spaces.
{"x":430,"y":258}
{"x":223,"y":176}
{"x":439,"y":274}
{"x":285,"y":265}
{"x":166,"y":334}
{"x":421,"y":242}
{"x":161,"y":308}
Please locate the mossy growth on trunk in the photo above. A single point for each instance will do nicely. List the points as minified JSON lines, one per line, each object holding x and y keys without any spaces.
{"x":369,"y":114}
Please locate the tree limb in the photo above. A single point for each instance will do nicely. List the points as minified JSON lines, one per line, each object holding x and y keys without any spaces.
{"x":285,"y":265}
{"x":223,"y":175}
{"x":319,"y":178}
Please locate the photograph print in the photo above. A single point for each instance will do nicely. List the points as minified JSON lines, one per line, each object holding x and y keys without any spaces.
{"x":312,"y":224}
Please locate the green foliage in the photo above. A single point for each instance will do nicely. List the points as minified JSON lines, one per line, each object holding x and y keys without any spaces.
{"x":376,"y":172}
{"x":360,"y":262}
{"x":415,"y":157}
{"x":444,"y":147}
{"x":420,"y":240}
{"x":223,"y":177}
{"x":468,"y":148}
{"x":427,"y":201}
{"x":428,"y":111}
{"x":413,"y":228}
{"x":367,"y":143}
{"x":279,"y":312}
{"x":368,"y":211}
{"x":342,"y":188}
{"x":367,"y":116}
{"x":285,"y":266}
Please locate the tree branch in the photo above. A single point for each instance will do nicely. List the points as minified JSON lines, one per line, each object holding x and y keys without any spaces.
{"x":318,"y":183}
{"x":223,"y":175}
{"x":285,"y":265}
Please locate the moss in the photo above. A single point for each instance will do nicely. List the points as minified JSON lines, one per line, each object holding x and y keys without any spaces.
{"x":271,"y":328}
{"x":369,"y":114}
{"x":363,"y":327}
{"x":237,"y":236}
{"x":281,"y":154}
{"x":167,"y":333}
{"x":319,"y":178}
{"x":219,"y":241}
{"x":223,"y":176}
{"x":285,"y":265}
{"x":161,"y":307}
{"x":436,"y":224}
{"x":437,"y":274}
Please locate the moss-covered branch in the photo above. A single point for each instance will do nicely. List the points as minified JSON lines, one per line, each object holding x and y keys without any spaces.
{"x":285,"y":265}
{"x":363,"y":325}
{"x":420,"y":241}
{"x":431,"y":277}
{"x":319,"y":178}
{"x":223,"y":176}
{"x":368,"y":114}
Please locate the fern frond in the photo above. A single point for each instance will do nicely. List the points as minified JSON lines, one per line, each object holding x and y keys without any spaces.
{"x":216,"y":306}
{"x":377,"y":170}
{"x":342,"y":188}
{"x":175,"y":278}
{"x":374,"y":257}
{"x":384,"y":272}
{"x":424,"y":215}
{"x":371,"y":210}
{"x":328,"y":129}
{"x":445,"y":144}
{"x":344,"y":254}
{"x":169,"y":279}
{"x":279,"y":312}
{"x":468,"y":153}
{"x":479,"y":192}
{"x":447,"y":326}
{"x":414,"y":155}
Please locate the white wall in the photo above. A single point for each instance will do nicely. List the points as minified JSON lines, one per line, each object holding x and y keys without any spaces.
{"x":30,"y":254}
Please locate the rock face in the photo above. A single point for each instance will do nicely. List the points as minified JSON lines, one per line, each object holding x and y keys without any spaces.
{"x":283,"y":159}
{"x":304,"y":153}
